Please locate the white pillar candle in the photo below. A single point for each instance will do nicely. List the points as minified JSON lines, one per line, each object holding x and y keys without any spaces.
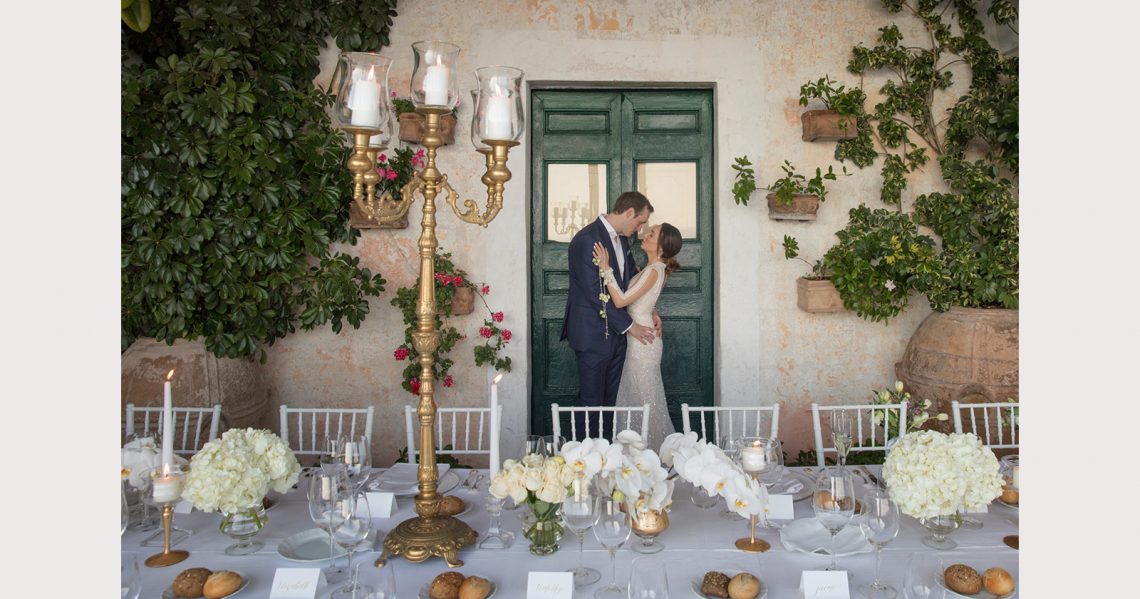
{"x":752,"y":458}
{"x":435,"y":85}
{"x":348,"y":453}
{"x":497,"y":120}
{"x":495,"y":425}
{"x":167,"y":425}
{"x":167,"y":488}
{"x":326,"y":488}
{"x":364,"y":101}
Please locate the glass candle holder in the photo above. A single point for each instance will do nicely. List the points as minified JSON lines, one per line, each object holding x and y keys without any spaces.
{"x":498,"y":113}
{"x":361,"y":87}
{"x":433,"y":78}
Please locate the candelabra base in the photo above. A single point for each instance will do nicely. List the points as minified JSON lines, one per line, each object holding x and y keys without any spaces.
{"x":166,"y":558}
{"x":753,"y":545}
{"x":419,"y":539}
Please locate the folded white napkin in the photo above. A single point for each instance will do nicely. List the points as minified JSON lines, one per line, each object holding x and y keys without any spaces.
{"x":402,"y":477}
{"x":809,"y":536}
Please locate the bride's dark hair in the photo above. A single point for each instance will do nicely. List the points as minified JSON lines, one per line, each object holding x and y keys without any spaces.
{"x":669,"y":244}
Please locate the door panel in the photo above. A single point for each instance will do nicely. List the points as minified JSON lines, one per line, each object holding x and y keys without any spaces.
{"x":657,"y":141}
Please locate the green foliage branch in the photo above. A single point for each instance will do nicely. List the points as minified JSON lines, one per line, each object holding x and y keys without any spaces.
{"x":448,"y":278}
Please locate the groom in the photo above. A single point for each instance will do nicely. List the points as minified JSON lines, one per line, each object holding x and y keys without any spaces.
{"x":601,"y":357}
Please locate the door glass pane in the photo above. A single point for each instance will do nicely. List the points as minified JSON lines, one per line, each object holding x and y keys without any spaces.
{"x":672,"y":189}
{"x":575,"y":196}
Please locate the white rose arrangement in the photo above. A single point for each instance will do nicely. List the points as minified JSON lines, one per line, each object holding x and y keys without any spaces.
{"x":705,"y":465}
{"x":932,"y":474}
{"x":541,"y":484}
{"x":233,"y":473}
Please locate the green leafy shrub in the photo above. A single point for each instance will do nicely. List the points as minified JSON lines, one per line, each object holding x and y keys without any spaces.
{"x":448,"y":278}
{"x":793,"y":183}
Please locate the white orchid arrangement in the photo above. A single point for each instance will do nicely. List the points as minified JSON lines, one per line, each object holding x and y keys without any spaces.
{"x":933,"y":474}
{"x":233,"y":473}
{"x":139,"y":457}
{"x":626,"y":470}
{"x":707,"y":466}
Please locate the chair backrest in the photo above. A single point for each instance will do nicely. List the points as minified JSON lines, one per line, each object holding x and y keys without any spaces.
{"x":864,"y":423}
{"x":306,"y":429}
{"x":466,"y":430}
{"x":731,"y":422}
{"x":996,"y":424}
{"x":193,"y":427}
{"x":622,"y":418}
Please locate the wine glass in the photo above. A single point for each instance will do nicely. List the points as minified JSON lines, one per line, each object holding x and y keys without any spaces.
{"x":355,"y":523}
{"x":535,"y":444}
{"x":333,"y":453}
{"x":356,"y":454}
{"x":612,"y":531}
{"x":553,"y":444}
{"x":731,"y":450}
{"x":129,"y":578}
{"x":124,"y":510}
{"x":327,"y":487}
{"x":921,"y":570}
{"x":834,"y":503}
{"x":384,"y":583}
{"x":648,"y":579}
{"x":841,"y":425}
{"x":580,"y":512}
{"x":880,"y":524}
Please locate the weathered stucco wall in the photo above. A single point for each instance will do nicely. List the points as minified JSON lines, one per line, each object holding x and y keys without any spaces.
{"x":756,"y":54}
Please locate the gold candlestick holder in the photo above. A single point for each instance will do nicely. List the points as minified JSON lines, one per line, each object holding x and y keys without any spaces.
{"x":750,"y":543}
{"x":168,"y":556}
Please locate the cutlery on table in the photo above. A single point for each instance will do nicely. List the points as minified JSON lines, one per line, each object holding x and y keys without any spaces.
{"x":873,"y":478}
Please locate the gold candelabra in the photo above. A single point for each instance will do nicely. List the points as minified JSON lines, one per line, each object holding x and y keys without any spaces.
{"x":496,"y":127}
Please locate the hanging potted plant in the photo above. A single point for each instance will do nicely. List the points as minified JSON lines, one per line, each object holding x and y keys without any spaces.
{"x":815,"y":292}
{"x":839,"y":117}
{"x":795,"y":197}
{"x":412,"y":122}
{"x":395,"y":171}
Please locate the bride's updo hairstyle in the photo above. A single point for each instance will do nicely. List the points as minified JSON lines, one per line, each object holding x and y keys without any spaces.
{"x":669,"y":244}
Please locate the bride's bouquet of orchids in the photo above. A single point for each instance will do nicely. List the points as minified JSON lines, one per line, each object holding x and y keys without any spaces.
{"x":626,"y":470}
{"x":705,"y":465}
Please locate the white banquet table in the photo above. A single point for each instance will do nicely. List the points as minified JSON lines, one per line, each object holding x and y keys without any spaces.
{"x":697,"y":540}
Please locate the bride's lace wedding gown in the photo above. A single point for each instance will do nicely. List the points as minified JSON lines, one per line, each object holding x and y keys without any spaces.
{"x":641,"y":377}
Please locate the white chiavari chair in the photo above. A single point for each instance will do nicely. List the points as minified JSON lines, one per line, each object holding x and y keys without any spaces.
{"x":996,"y":423}
{"x":305,"y":430}
{"x":621,"y":418}
{"x":193,"y":427}
{"x":714,"y":423}
{"x":466,"y":430}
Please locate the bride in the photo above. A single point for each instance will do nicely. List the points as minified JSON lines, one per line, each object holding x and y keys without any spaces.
{"x":641,"y":377}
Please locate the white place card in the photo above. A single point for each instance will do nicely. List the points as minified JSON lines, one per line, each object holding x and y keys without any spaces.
{"x":821,"y":584}
{"x":296,"y":583}
{"x":381,"y":504}
{"x":550,"y":585}
{"x":183,"y":507}
{"x":979,"y":509}
{"x":780,"y":507}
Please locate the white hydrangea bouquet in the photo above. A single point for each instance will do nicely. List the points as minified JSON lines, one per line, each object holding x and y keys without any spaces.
{"x":707,"y":466}
{"x":626,"y":470}
{"x":232,"y":474}
{"x":541,"y":484}
{"x":931,"y":474}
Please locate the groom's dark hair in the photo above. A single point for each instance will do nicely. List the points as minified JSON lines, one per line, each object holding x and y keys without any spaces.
{"x":631,"y":199}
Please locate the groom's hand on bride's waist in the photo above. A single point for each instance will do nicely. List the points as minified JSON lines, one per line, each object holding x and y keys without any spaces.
{"x":642,"y":333}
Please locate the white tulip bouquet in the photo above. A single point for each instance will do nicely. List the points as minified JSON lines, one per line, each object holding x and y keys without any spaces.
{"x":705,"y":465}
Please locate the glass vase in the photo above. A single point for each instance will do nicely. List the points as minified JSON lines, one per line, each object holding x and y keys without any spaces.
{"x":542,"y":526}
{"x":241,"y":526}
{"x":940,"y":528}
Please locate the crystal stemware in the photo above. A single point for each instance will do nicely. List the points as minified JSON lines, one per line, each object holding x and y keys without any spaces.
{"x":535,"y":444}
{"x":648,"y":579}
{"x":355,"y":523}
{"x":579,"y":514}
{"x":834,"y":503}
{"x":129,"y":578}
{"x":841,"y":434}
{"x":921,"y":570}
{"x":496,"y":538}
{"x":730,"y":448}
{"x":612,"y":531}
{"x":880,"y":524}
{"x":383,"y":583}
{"x":124,"y":510}
{"x":327,"y":487}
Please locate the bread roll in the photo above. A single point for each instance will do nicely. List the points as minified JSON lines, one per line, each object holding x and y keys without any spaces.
{"x":1009,"y":495}
{"x":715,"y":584}
{"x":475,"y":587}
{"x":743,"y":586}
{"x":189,"y":583}
{"x":997,"y":581}
{"x":221,"y":583}
{"x":446,"y":586}
{"x":451,"y":505}
{"x":963,"y":579}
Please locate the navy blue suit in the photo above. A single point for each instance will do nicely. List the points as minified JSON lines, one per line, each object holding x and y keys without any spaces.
{"x":600,"y":359}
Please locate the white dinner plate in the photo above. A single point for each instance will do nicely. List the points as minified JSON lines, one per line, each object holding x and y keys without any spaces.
{"x":789,"y":480}
{"x":424,"y":594}
{"x":168,"y":593}
{"x":697,"y":581}
{"x":308,"y":546}
{"x":446,"y":483}
{"x":807,"y":535}
{"x":940,"y":581}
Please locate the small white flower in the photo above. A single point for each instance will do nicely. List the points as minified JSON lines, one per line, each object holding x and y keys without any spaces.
{"x":889,"y":285}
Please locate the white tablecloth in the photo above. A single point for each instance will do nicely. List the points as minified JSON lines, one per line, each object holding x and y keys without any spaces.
{"x":695,"y":542}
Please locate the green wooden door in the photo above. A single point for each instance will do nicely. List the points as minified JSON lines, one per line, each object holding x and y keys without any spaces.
{"x":587,"y":147}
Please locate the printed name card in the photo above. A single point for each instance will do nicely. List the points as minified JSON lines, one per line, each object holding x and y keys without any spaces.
{"x":550,"y":585}
{"x":381,"y":504}
{"x":780,"y":507}
{"x":296,"y":583}
{"x":820,"y":584}
{"x":979,"y":509}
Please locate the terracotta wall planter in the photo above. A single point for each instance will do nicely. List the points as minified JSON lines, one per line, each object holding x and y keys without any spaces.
{"x":825,"y":125}
{"x":817,"y":296}
{"x":802,"y":207}
{"x":463,"y":302}
{"x":412,"y":127}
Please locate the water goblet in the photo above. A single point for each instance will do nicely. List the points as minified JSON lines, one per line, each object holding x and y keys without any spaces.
{"x":648,"y":579}
{"x":124,"y":510}
{"x":383,"y":583}
{"x":356,"y":455}
{"x":579,"y":514}
{"x":880,"y":524}
{"x":129,"y":577}
{"x":333,"y":453}
{"x":612,"y":531}
{"x":841,"y":434}
{"x":553,"y":444}
{"x":355,"y":523}
{"x":921,"y":570}
{"x":535,"y":444}
{"x":327,"y":487}
{"x":729,"y":445}
{"x":834,"y":503}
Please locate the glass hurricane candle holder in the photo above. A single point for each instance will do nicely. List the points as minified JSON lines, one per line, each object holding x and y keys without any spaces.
{"x":433,"y":77}
{"x":498,"y":112}
{"x":361,"y":87}
{"x":165,"y":490}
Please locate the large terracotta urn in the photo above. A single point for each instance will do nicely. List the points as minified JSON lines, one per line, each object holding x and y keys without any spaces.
{"x":967,"y":354}
{"x":201,"y":379}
